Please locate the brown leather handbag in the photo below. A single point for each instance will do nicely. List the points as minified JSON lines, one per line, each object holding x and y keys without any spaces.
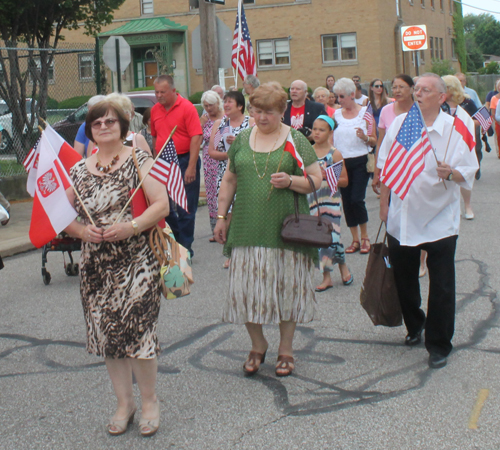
{"x":304,"y":229}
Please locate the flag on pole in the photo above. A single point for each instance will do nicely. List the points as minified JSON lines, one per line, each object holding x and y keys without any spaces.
{"x":67,"y":155}
{"x":167,"y":171}
{"x":52,"y":212}
{"x":406,"y":155}
{"x":368,"y":116}
{"x":290,"y":148}
{"x":484,"y":118}
{"x":242,"y":56}
{"x":464,"y":125}
{"x":332,"y":176}
{"x":219,"y":134}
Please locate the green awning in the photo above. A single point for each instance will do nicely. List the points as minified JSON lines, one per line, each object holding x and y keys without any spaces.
{"x":138,"y":26}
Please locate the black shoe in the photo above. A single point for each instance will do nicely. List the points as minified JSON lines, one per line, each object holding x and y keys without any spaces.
{"x":478,"y":174}
{"x":412,"y":340}
{"x":436,"y":361}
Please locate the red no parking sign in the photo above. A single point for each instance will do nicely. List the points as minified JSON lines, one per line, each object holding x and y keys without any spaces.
{"x":414,"y":38}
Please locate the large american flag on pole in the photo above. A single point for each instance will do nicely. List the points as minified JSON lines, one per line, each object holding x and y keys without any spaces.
{"x":167,"y":171}
{"x":243,"y":57}
{"x":484,"y":118}
{"x":405,"y":160}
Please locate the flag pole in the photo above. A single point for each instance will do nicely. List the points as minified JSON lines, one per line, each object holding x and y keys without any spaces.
{"x":239,"y":46}
{"x":278,"y":169}
{"x":144,"y":177}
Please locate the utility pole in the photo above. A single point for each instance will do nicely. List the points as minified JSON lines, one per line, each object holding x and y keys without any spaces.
{"x":209,"y":45}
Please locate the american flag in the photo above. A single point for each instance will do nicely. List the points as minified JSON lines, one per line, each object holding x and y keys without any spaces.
{"x":167,"y":171}
{"x":31,"y":156}
{"x":332,"y":175}
{"x":369,"y":118}
{"x":406,"y":156}
{"x":483,"y":117}
{"x":244,"y":60}
{"x":219,"y":134}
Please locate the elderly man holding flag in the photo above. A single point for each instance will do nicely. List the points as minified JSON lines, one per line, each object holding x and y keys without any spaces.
{"x":425,"y":159}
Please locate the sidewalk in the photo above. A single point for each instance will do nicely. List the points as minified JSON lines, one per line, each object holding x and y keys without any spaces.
{"x":14,"y":237}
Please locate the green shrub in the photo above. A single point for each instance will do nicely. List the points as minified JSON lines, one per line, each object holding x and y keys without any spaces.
{"x":196,"y":97}
{"x":442,"y":67}
{"x":74,"y":102}
{"x":199,"y":109}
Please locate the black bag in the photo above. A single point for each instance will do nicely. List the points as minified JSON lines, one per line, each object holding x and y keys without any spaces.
{"x":379,"y":296}
{"x":304,"y":229}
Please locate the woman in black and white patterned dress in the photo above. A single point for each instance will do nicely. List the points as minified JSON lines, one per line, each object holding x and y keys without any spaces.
{"x":119,"y":274}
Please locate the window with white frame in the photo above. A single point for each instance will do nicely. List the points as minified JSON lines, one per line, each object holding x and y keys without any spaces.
{"x":147,"y":7}
{"x":339,"y":47}
{"x":273,"y":53}
{"x":86,"y":67}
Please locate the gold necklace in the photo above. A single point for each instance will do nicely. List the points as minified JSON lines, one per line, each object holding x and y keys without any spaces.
{"x":107,"y":168}
{"x":268,"y":153}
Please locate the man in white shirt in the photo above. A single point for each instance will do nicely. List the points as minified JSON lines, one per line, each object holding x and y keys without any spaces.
{"x":428,"y":219}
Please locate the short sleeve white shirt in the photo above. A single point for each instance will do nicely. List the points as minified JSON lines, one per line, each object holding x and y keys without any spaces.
{"x":430,"y":211}
{"x":344,"y":136}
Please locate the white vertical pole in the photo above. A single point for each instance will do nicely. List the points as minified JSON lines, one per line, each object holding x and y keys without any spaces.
{"x":239,"y":46}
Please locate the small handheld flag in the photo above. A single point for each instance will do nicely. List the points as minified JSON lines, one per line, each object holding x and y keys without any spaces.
{"x":332,"y":176}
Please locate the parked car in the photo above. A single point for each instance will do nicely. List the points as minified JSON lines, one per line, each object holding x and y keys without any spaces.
{"x":69,"y":126}
{"x":6,"y":123}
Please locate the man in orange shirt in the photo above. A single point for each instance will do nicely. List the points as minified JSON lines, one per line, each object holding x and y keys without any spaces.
{"x":170,"y":111}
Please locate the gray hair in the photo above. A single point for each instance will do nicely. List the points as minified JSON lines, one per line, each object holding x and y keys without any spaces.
{"x":252,"y":80}
{"x":304,"y":84}
{"x":95,"y":99}
{"x":211,"y":97}
{"x":440,"y":84}
{"x":319,"y":89}
{"x":123,"y":101}
{"x":345,"y":86}
{"x":165,"y":79}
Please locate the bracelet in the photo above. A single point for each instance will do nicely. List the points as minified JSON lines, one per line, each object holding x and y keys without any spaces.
{"x":135,"y":226}
{"x":367,"y":139}
{"x":291,"y":180}
{"x":221,"y":217}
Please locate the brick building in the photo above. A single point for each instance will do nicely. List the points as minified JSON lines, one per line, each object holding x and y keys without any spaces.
{"x":306,"y":39}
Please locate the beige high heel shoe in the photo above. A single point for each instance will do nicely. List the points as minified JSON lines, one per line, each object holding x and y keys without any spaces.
{"x":150,"y":427}
{"x":120,"y":426}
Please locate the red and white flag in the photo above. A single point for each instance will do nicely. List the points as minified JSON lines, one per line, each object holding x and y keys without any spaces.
{"x":67,"y":155}
{"x":52,"y":212}
{"x":464,"y":124}
{"x":332,"y":176}
{"x":290,"y":148}
{"x":368,"y":116}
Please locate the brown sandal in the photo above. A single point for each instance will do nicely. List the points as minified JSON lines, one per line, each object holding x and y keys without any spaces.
{"x":285,"y":365}
{"x":252,"y":360}
{"x":365,"y":246}
{"x":354,"y":247}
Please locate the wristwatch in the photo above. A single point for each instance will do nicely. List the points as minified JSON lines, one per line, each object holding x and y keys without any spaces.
{"x":450,"y":176}
{"x":135,"y":226}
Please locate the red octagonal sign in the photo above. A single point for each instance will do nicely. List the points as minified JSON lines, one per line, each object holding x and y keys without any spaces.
{"x":414,"y":38}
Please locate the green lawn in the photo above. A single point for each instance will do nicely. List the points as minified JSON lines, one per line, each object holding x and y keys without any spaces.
{"x":10,"y":168}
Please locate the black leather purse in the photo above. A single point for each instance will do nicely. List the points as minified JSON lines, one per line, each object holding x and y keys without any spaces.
{"x":304,"y":229}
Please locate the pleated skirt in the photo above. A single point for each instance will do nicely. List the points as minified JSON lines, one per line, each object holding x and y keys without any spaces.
{"x":268,"y":286}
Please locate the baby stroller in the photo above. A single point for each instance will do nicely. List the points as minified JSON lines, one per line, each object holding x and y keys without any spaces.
{"x":61,"y":243}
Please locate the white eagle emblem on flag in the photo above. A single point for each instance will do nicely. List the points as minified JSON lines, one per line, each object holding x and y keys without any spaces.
{"x":47,"y":183}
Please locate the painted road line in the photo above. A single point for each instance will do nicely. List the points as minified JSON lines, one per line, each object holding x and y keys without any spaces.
{"x":481,"y":398}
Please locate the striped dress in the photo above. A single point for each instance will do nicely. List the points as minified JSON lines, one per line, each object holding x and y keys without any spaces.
{"x":330,"y":208}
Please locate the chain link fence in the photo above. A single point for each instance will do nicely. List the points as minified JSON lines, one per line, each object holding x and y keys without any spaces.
{"x":50,"y":84}
{"x":482,"y":84}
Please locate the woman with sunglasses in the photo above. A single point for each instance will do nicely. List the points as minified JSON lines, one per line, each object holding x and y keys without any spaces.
{"x":352,"y":139}
{"x":119,"y":285}
{"x":378,"y":98}
{"x":402,"y":91}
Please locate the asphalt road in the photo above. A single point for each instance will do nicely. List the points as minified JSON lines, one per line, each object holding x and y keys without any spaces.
{"x":355,"y":386}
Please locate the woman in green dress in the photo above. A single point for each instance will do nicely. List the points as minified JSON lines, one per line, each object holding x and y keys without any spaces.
{"x":269,"y":281}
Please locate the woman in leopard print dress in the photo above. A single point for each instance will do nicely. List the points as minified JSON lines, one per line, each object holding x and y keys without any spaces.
{"x":119,"y":274}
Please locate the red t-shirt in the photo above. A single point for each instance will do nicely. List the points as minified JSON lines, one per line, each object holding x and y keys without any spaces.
{"x":184,"y":115}
{"x":297,"y":117}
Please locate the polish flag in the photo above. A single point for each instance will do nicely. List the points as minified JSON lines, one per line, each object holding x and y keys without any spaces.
{"x":52,"y":212}
{"x":67,"y":155}
{"x":290,"y":148}
{"x":464,"y":124}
